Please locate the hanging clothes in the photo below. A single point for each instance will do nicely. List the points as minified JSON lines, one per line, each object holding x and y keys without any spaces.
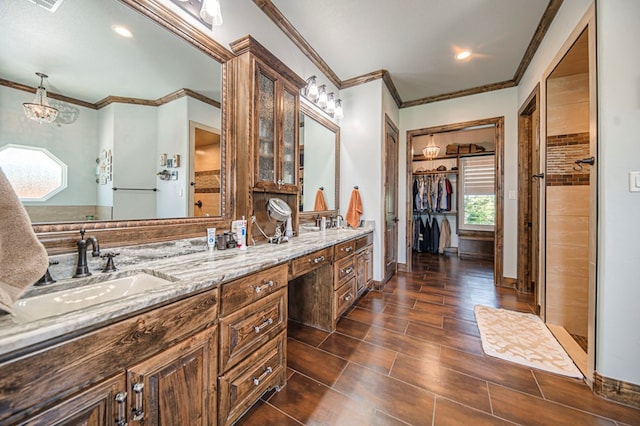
{"x":445,"y":235}
{"x":449,"y":192}
{"x":426,"y":243}
{"x":435,"y":236}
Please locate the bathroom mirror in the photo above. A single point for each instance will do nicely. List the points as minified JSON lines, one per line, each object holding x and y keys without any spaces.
{"x":319,"y":160}
{"x":125,"y":105}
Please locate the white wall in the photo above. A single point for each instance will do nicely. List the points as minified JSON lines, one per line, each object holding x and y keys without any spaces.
{"x":361,"y":157}
{"x":134,"y":162}
{"x":500,"y":103}
{"x":618,"y":291}
{"x":74,"y":144}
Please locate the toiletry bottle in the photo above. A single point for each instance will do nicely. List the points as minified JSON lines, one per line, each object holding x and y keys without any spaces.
{"x":211,"y":238}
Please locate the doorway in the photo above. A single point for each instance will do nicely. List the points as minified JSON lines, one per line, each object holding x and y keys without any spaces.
{"x":570,"y":196}
{"x":495,"y":127}
{"x":204,"y":188}
{"x":390,"y":180}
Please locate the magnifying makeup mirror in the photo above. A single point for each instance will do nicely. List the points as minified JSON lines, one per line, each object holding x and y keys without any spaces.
{"x":279,"y":212}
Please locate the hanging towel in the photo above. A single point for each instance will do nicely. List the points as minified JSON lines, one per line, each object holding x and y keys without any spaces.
{"x":354,"y":210}
{"x":23,"y":259}
{"x":320,"y":204}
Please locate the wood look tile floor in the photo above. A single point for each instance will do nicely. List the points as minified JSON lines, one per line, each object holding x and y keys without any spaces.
{"x":411,"y":354}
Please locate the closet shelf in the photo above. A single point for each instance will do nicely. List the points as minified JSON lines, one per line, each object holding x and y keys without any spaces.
{"x":431,"y":173}
{"x":446,"y":213}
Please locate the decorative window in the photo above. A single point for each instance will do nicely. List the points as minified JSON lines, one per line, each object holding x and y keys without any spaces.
{"x":35,"y":173}
{"x":478,"y":199}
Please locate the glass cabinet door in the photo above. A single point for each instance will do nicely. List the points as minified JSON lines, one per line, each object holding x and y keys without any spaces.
{"x":289,"y":139}
{"x":266,"y":129}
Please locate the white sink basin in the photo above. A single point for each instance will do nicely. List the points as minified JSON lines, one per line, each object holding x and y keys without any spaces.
{"x":64,"y":301}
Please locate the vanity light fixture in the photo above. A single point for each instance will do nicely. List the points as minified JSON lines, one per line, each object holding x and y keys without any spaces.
{"x":311,"y":89}
{"x":331,"y":103}
{"x":322,"y":96}
{"x":432,"y":150}
{"x":211,"y":12}
{"x":39,"y":110}
{"x":338,"y":112}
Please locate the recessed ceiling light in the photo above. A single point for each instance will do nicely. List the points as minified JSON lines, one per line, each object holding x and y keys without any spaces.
{"x":463,"y":55}
{"x":122,"y":31}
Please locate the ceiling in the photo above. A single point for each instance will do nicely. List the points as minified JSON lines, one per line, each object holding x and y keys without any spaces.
{"x":416,"y":40}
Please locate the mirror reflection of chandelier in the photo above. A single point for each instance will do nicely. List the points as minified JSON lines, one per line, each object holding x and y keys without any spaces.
{"x":432,"y":150}
{"x":39,"y":110}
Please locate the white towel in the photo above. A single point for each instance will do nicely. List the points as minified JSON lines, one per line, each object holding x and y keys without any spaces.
{"x":23,"y":259}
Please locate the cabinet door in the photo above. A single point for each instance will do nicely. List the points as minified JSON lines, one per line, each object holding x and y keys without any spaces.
{"x":361,"y":274}
{"x":177,"y":386}
{"x":100,"y":405}
{"x":266,"y":147}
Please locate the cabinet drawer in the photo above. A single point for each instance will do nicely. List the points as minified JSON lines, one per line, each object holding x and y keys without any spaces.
{"x":345,"y":269}
{"x":344,"y":297}
{"x":239,"y":293}
{"x":364,"y":241}
{"x":308,"y":263}
{"x":345,"y":249}
{"x":247,"y":329}
{"x":243,"y":385}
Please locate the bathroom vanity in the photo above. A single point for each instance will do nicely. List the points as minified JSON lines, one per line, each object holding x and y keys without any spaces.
{"x":200,"y":349}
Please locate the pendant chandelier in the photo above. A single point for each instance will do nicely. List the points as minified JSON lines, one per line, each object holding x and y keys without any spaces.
{"x":432,"y":150}
{"x":39,"y":110}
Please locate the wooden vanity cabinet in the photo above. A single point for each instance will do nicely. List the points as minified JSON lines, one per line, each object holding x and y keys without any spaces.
{"x":253,"y":324}
{"x":89,"y":378}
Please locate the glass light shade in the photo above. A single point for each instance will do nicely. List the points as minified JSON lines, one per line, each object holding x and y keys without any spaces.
{"x":39,"y":110}
{"x":331,"y":103}
{"x":338,"y":113}
{"x":312,"y":88}
{"x":432,"y":150}
{"x":322,"y":96}
{"x":211,"y":12}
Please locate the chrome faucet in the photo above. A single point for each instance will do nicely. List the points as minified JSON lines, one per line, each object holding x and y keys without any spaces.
{"x":82,"y":270}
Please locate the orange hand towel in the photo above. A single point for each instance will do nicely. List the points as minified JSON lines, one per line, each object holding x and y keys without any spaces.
{"x":320,"y":204}
{"x":354,"y":210}
{"x":23,"y":259}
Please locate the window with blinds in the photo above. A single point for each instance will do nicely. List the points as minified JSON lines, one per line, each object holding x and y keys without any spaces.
{"x":478,"y":177}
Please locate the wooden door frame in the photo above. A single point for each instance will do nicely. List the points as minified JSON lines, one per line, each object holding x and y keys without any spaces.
{"x":498,"y":245}
{"x":389,"y":125}
{"x":588,"y":22}
{"x":528,"y":114}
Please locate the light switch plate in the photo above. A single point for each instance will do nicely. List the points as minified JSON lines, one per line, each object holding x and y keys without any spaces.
{"x":634,"y":181}
{"x":512,"y":194}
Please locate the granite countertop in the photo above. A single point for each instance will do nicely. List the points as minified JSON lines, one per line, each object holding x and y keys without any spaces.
{"x":188,"y":264}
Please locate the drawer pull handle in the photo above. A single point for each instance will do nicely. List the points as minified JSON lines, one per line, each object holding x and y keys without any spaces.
{"x":266,"y":285}
{"x":137,"y":409}
{"x":346,"y":249}
{"x":348,"y":297}
{"x":317,"y":260}
{"x":258,"y":328}
{"x":267,"y":371}
{"x":346,"y":271}
{"x":121,"y":416}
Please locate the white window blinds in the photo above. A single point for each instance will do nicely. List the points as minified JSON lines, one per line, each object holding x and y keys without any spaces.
{"x":478,"y":175}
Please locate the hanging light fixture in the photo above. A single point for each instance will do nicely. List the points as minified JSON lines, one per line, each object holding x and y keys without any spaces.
{"x":39,"y":110}
{"x":432,"y":150}
{"x":211,"y":12}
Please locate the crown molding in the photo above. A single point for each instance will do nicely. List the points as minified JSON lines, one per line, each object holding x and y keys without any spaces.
{"x":460,"y":93}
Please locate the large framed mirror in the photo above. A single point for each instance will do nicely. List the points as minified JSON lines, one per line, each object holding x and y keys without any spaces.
{"x":122,"y":138}
{"x":319,"y":174}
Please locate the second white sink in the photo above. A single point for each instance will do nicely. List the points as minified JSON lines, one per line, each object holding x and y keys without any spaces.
{"x":64,"y":301}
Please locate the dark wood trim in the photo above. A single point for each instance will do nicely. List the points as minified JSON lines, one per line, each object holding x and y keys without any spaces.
{"x":61,"y":237}
{"x":509,"y":282}
{"x":26,"y":88}
{"x":616,"y":390}
{"x":251,"y":45}
{"x":294,"y":35}
{"x":460,"y":93}
{"x":375,"y":75}
{"x":545,"y":22}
